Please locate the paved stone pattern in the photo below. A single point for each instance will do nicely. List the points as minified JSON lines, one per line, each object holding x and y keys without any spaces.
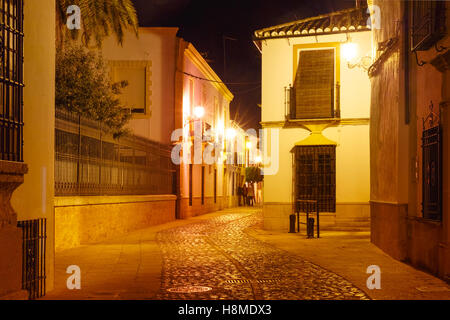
{"x":217,"y":253}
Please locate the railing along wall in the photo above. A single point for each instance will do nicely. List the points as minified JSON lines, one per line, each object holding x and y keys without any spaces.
{"x":90,"y":162}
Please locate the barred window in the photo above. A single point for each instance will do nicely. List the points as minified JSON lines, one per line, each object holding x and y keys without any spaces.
{"x":314,"y":84}
{"x":315,"y":175}
{"x":432,"y":173}
{"x":11,"y":80}
{"x":428,"y":23}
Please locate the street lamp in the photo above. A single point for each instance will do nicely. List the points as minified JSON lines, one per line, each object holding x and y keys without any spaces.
{"x":231,"y":133}
{"x":349,"y":51}
{"x":199,"y":112}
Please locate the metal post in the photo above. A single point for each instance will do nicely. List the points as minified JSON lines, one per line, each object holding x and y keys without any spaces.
{"x":317,"y":209}
{"x":101,"y":160}
{"x":79,"y":155}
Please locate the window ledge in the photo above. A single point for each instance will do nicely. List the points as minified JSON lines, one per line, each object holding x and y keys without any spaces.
{"x":435,"y":223}
{"x":342,"y":121}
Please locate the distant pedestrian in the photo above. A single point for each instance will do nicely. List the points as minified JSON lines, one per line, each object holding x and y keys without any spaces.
{"x":244,"y":194}
{"x":251,"y":195}
{"x":259,"y":193}
{"x":240,"y":193}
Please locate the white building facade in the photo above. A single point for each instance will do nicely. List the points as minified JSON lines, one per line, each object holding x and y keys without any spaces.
{"x":315,"y":116}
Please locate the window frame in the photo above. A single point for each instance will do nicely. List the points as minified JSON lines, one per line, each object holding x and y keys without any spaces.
{"x":147,"y":64}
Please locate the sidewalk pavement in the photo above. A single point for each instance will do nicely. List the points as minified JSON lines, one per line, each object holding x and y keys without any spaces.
{"x":349,"y":253}
{"x":127,"y":268}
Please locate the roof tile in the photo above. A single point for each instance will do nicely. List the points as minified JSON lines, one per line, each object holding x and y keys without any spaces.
{"x":354,"y":19}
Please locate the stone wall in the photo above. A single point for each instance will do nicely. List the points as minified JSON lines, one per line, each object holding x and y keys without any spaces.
{"x":197,"y":208}
{"x":388,"y":228}
{"x":11,"y":176}
{"x":84,"y":220}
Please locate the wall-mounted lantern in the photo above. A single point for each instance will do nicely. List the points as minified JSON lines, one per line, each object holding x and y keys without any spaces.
{"x":350,"y":53}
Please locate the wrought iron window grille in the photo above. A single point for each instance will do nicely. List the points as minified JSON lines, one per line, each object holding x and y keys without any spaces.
{"x":34,"y":239}
{"x":11,"y":80}
{"x":432,"y":166}
{"x":315,"y":176}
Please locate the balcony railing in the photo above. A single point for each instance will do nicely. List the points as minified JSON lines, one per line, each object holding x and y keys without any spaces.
{"x":290,"y":104}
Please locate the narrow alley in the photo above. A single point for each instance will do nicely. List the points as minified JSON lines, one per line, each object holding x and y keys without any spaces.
{"x":226,"y":255}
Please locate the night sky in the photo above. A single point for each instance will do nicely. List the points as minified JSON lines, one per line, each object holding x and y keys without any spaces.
{"x":204,"y":23}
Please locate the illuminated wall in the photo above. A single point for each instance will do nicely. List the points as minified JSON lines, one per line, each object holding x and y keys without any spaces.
{"x":351,"y":134}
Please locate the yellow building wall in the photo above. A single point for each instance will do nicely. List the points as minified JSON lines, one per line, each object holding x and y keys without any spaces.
{"x":351,"y":136}
{"x":278,"y":73}
{"x":34,"y":199}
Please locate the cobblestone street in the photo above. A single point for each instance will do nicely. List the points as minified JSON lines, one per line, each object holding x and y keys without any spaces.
{"x":218,"y":254}
{"x":226,"y":255}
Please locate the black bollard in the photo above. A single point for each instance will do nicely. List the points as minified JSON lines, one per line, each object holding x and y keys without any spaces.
{"x":310,"y":228}
{"x":292,"y":223}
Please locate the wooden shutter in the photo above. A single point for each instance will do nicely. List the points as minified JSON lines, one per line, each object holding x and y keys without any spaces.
{"x":314,"y":84}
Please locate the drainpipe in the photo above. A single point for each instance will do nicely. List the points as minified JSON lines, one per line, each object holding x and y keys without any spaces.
{"x":406,"y":59}
{"x":180,"y":47}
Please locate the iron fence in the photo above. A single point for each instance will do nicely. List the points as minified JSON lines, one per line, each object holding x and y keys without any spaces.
{"x":90,"y":162}
{"x":34,"y":237}
{"x":11,"y":80}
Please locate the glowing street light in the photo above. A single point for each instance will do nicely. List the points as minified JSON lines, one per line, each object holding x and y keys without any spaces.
{"x":258,"y":159}
{"x":349,"y":51}
{"x":248,"y":145}
{"x":231,"y":133}
{"x":199,"y":112}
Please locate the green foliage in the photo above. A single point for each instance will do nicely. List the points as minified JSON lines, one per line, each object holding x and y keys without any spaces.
{"x":99,"y":19}
{"x":253,"y":174}
{"x":83,"y":86}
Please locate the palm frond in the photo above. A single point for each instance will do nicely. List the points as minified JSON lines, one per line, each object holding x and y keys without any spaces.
{"x":100,"y":19}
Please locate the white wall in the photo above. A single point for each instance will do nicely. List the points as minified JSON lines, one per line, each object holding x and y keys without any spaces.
{"x":352,"y":150}
{"x":157,"y":45}
{"x":277,"y":73}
